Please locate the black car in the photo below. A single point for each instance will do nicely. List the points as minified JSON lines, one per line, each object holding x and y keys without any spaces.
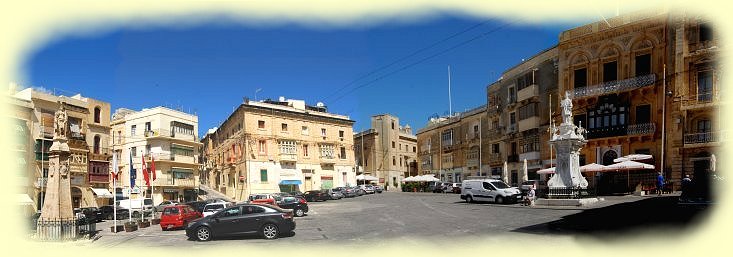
{"x":316,"y":195}
{"x":107,"y":212}
{"x":91,"y":214}
{"x":297,"y":204}
{"x":269,"y":221}
{"x":197,"y":205}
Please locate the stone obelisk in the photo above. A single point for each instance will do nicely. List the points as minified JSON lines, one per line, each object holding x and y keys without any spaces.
{"x":57,"y":217}
{"x":568,"y":140}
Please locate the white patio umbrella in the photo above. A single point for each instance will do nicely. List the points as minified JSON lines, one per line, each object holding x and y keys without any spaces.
{"x":713,"y":160}
{"x":366,"y":177}
{"x":592,"y":167}
{"x":633,"y":157}
{"x":428,"y":178}
{"x":408,"y":179}
{"x":505,"y":173}
{"x":550,"y":170}
{"x":628,"y":165}
{"x":525,"y":177}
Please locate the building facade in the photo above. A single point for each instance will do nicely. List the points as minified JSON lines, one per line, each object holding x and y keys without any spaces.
{"x":456,"y":147}
{"x":273,"y":146}
{"x":20,"y":148}
{"x":88,"y":140}
{"x":387,"y":151}
{"x":164,"y":136}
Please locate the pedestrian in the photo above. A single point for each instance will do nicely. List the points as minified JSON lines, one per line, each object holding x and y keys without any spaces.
{"x":660,"y":183}
{"x":686,"y":184}
{"x":530,"y":196}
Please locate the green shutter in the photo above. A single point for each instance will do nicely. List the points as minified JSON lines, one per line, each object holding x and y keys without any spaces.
{"x":263,"y":175}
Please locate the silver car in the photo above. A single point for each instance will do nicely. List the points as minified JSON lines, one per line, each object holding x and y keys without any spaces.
{"x":164,"y":204}
{"x":335,"y":194}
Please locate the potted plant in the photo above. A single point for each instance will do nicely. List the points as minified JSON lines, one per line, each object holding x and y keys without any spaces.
{"x":130,"y":226}
{"x":143,"y":223}
{"x":115,"y":229}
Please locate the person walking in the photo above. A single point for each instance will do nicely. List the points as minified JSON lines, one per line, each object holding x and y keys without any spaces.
{"x":530,"y":196}
{"x":660,"y":183}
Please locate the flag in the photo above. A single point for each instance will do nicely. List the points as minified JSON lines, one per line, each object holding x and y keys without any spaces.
{"x":144,"y":168}
{"x":114,"y":165}
{"x":133,"y":174}
{"x":152,"y":166}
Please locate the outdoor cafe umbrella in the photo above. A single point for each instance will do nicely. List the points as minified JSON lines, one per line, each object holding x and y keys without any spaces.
{"x":713,"y":160}
{"x":628,"y":165}
{"x":505,"y":173}
{"x":427,"y":178}
{"x":550,"y":170}
{"x":592,"y":167}
{"x":408,"y":179}
{"x":524,"y":171}
{"x":366,"y":177}
{"x":633,"y":157}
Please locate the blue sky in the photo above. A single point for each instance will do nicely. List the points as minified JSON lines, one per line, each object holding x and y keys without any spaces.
{"x":210,"y":67}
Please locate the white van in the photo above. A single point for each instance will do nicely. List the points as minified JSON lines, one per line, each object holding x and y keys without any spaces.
{"x":490,"y":190}
{"x":137,"y":206}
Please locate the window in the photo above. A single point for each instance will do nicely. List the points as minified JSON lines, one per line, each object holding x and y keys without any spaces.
{"x":263,"y":175}
{"x":512,"y":95}
{"x":284,"y":127}
{"x":525,"y":80}
{"x":343,"y":153}
{"x":643,"y":64}
{"x":414,"y":149}
{"x":392,"y":124}
{"x":400,"y":146}
{"x":96,"y":144}
{"x":304,"y":130}
{"x":610,"y":71}
{"x":580,"y":78}
{"x":119,"y":137}
{"x":323,"y":132}
{"x":475,"y":129}
{"x":97,"y":115}
{"x":400,"y":162}
{"x":263,"y":146}
{"x":132,"y":129}
{"x":134,"y":151}
{"x":327,"y":151}
{"x":305,"y":150}
{"x":706,"y":33}
{"x":181,"y":150}
{"x":288,"y":147}
{"x":525,"y":112}
{"x":643,"y":114}
{"x":447,"y":137}
{"x":147,"y":126}
{"x":261,"y":124}
{"x":705,"y":86}
{"x":392,"y":144}
{"x":512,"y":118}
{"x":495,"y":148}
{"x":703,"y":126}
{"x":394,"y":162}
{"x":341,"y":133}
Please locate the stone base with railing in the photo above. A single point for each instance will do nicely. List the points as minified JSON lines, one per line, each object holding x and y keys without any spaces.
{"x":64,"y":229}
{"x":566,"y":196}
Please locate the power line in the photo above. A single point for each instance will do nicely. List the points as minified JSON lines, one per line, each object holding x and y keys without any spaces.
{"x":428,"y":58}
{"x":407,"y":56}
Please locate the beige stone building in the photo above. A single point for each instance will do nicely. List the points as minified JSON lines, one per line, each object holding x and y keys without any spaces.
{"x":89,"y":133}
{"x":456,"y":147}
{"x":19,"y":122}
{"x":387,"y":151}
{"x":272,"y":146}
{"x":167,"y":136}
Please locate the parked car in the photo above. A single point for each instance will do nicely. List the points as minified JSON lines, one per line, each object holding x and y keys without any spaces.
{"x":378,"y":189}
{"x":297,"y":204}
{"x":316,"y":195}
{"x":453,"y":188}
{"x":359,"y":191}
{"x":216,"y":200}
{"x":137,"y":206}
{"x":334,"y":194}
{"x":437,"y":186}
{"x":162,"y":205}
{"x":212,"y":208}
{"x":93,"y":214}
{"x":264,"y":198}
{"x":108,"y":212}
{"x":267,"y":220}
{"x":489,"y":190}
{"x":197,"y":205}
{"x":346,"y":191}
{"x":178,"y":216}
{"x":369,"y":189}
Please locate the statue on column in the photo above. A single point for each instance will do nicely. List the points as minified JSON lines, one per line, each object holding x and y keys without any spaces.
{"x":60,"y":123}
{"x":567,"y":109}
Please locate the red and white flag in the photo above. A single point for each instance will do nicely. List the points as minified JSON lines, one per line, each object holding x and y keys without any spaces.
{"x":152,"y":166}
{"x":144,"y":168}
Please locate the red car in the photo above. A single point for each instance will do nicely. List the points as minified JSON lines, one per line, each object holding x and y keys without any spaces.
{"x":178,"y":216}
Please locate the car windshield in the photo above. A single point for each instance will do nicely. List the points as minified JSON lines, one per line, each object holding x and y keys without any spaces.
{"x":148,"y":201}
{"x":169,"y":211}
{"x":499,"y":184}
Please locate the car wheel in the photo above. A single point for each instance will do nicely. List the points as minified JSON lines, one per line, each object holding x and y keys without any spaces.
{"x":469,"y":199}
{"x":499,"y":200}
{"x":203,"y":233}
{"x":109,"y":217}
{"x":269,"y":231}
{"x":299,"y":212}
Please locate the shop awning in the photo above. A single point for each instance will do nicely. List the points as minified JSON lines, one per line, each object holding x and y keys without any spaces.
{"x":102,"y":193}
{"x":24,"y":199}
{"x":290,"y":182}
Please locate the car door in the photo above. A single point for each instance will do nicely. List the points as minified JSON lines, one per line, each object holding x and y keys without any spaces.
{"x":227,"y":222}
{"x":487,"y":191}
{"x":252,"y":217}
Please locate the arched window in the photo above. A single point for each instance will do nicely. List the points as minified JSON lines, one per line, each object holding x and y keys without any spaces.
{"x":608,"y":157}
{"x":97,"y":114}
{"x":96,"y":144}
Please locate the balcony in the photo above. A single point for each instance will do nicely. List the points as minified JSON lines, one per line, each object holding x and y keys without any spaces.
{"x":495,"y":158}
{"x":512,"y":158}
{"x":512,"y":128}
{"x":529,"y":123}
{"x":528,"y":92}
{"x":78,"y":141}
{"x":288,"y":157}
{"x":641,"y":129}
{"x":98,"y":178}
{"x":155,"y":133}
{"x":328,"y":159}
{"x":704,"y":100}
{"x":613,"y":87}
{"x":472,"y":162}
{"x":694,"y":139}
{"x":99,"y":153}
{"x":529,"y":156}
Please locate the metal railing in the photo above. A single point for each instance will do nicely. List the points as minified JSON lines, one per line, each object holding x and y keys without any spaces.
{"x":641,"y":129}
{"x":566,"y":193}
{"x":705,"y":137}
{"x":169,"y":133}
{"x":702,"y":99}
{"x":64,"y":229}
{"x":614,"y":86}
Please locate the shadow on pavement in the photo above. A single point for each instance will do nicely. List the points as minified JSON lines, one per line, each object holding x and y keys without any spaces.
{"x":625,"y":219}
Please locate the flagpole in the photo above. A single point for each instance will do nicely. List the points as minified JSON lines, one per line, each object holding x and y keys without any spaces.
{"x":114,"y":189}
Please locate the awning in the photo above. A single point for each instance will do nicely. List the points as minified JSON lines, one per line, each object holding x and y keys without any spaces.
{"x":102,"y":193}
{"x":24,"y":199}
{"x":290,"y":182}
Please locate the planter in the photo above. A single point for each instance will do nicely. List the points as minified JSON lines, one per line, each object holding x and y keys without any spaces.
{"x":115,"y":229}
{"x":155,"y":222}
{"x":143,"y":224}
{"x":130,"y":226}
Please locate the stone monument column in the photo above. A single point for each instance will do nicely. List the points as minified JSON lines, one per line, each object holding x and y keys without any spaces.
{"x":568,"y":140}
{"x":57,"y":219}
